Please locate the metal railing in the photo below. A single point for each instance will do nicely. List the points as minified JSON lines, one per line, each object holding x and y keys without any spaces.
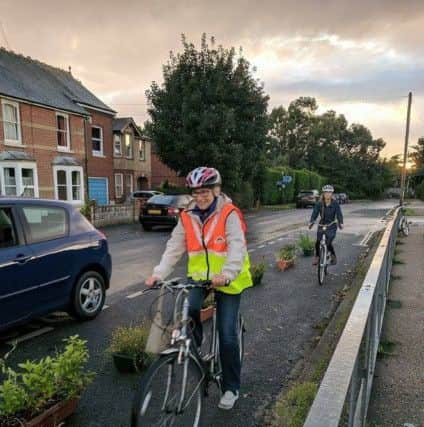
{"x":344,"y":393}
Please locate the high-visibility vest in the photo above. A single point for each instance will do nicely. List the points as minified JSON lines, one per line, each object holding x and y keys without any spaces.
{"x":207,"y":249}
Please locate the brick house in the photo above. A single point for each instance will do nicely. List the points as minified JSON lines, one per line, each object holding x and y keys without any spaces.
{"x":132,"y":158}
{"x":55,"y":135}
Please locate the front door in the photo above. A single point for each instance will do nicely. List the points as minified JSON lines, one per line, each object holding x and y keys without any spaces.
{"x":98,"y":190}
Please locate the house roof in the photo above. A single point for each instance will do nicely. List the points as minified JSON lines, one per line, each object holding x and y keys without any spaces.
{"x":120,"y":123}
{"x":33,"y":81}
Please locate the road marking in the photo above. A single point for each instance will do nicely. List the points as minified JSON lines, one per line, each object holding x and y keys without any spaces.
{"x":105,"y":307}
{"x":134,"y":295}
{"x":27,"y":337}
{"x":280,"y":238}
{"x":251,"y":250}
{"x":271,"y":243}
{"x":365,"y":240}
{"x":261,"y":246}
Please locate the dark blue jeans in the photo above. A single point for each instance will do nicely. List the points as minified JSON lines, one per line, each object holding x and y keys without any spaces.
{"x":330,"y":235}
{"x":227,"y":309}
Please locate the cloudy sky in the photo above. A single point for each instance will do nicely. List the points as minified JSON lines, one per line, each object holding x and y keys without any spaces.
{"x":358,"y":57}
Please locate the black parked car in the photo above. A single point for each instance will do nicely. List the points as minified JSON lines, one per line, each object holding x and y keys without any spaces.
{"x":307,"y":198}
{"x":163,"y":210}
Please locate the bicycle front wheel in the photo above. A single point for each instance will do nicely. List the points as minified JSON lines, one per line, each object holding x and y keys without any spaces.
{"x":170,"y":394}
{"x":322,"y":264}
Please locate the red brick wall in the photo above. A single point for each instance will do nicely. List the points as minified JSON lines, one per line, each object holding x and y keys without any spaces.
{"x":162,"y":173}
{"x":101,"y":166}
{"x":38,"y":127}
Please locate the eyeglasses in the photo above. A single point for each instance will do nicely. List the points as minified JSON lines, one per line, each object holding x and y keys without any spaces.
{"x":201,"y":193}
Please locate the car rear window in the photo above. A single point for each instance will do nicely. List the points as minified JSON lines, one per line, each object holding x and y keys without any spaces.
{"x":7,"y":229}
{"x":162,"y":200}
{"x":45,"y":223}
{"x":306,"y":193}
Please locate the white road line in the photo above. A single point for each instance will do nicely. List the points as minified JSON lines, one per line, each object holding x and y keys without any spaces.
{"x":251,"y":250}
{"x":271,"y":243}
{"x":134,"y":295}
{"x":280,"y":238}
{"x":105,"y":307}
{"x":27,"y":337}
{"x":261,"y":246}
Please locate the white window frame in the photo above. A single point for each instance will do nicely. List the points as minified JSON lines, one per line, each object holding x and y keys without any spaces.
{"x":117,"y":137}
{"x":68,"y":170}
{"x":130,"y":145}
{"x":142,"y":143}
{"x":18,"y":166}
{"x":18,"y":117}
{"x":131,"y":184}
{"x":97,"y":153}
{"x":66,"y":148}
{"x":117,"y":195}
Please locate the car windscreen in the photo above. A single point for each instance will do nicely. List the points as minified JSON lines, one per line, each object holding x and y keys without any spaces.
{"x":162,"y":200}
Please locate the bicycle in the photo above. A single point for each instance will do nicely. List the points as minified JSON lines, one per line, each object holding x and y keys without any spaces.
{"x":178,"y":396}
{"x":324,"y":256}
{"x":403,"y":223}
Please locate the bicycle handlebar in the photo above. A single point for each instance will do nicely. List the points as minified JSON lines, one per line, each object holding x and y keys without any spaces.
{"x":178,"y":284}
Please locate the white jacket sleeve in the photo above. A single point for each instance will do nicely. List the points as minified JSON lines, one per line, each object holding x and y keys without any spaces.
{"x":236,"y":247}
{"x":175,"y":248}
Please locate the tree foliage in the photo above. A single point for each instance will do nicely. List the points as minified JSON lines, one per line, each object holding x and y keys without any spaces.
{"x":347,"y":155}
{"x":210,"y":110}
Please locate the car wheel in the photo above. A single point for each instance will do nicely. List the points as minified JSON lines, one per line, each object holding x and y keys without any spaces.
{"x":146,"y":227}
{"x":89,"y":296}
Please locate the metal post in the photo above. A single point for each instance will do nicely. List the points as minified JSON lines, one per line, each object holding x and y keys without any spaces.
{"x":405,"y":151}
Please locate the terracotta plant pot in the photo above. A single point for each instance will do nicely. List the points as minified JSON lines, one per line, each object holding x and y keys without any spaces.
{"x":54,"y":416}
{"x":206,"y":313}
{"x":284,"y":264}
{"x":127,"y":364}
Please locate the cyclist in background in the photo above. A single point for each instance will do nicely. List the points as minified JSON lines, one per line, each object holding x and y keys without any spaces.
{"x":212,"y":232}
{"x":329,"y":210}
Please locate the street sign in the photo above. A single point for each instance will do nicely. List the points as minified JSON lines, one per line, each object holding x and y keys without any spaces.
{"x":287,"y":179}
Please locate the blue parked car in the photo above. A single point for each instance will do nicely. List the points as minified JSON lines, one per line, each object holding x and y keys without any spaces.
{"x":51,"y":258}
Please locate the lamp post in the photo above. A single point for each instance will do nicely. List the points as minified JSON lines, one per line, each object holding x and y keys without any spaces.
{"x":405,"y":151}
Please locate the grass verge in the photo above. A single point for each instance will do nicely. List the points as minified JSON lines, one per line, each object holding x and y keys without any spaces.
{"x":283,"y":207}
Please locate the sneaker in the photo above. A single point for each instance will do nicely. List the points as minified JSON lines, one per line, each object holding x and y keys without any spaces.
{"x":333,"y":259}
{"x":228,"y":400}
{"x":315,"y":260}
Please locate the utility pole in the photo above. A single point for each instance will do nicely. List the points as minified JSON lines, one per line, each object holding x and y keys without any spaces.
{"x":405,"y":152}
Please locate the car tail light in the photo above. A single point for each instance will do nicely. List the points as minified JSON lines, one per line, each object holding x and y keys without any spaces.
{"x":173,"y":211}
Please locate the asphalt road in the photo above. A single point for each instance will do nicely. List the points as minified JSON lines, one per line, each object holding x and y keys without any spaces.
{"x":280,"y":314}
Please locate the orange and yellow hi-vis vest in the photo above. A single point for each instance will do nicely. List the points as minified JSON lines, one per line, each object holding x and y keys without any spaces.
{"x":207,"y":249}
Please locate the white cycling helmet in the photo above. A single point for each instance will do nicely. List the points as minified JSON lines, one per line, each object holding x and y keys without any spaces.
{"x":203,"y":177}
{"x":328,"y":189}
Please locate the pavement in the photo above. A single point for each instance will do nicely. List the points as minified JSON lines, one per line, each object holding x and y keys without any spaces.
{"x":280,"y":314}
{"x":398,"y":390}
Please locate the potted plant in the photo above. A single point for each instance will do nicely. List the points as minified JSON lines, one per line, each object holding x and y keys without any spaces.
{"x":257,"y":271}
{"x":307,"y":245}
{"x":208,"y":307}
{"x":44,"y":393}
{"x":286,"y":256}
{"x":127,"y":348}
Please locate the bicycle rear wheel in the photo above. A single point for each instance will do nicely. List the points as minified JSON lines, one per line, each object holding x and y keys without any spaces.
{"x":158,"y":397}
{"x":405,"y":227}
{"x":322,"y":264}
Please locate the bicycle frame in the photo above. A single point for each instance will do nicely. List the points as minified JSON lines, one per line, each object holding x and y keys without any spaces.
{"x":182,"y":342}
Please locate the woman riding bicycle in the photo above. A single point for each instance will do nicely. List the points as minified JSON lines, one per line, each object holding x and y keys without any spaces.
{"x":329,"y":210}
{"x":212,"y":232}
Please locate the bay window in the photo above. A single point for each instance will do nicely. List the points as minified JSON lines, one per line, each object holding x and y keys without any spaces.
{"x":68,"y":183}
{"x":18,"y":179}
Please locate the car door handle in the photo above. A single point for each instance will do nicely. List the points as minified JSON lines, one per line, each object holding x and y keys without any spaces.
{"x":22,"y":259}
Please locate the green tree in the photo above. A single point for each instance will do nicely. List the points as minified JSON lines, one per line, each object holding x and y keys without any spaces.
{"x":210,"y":110}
